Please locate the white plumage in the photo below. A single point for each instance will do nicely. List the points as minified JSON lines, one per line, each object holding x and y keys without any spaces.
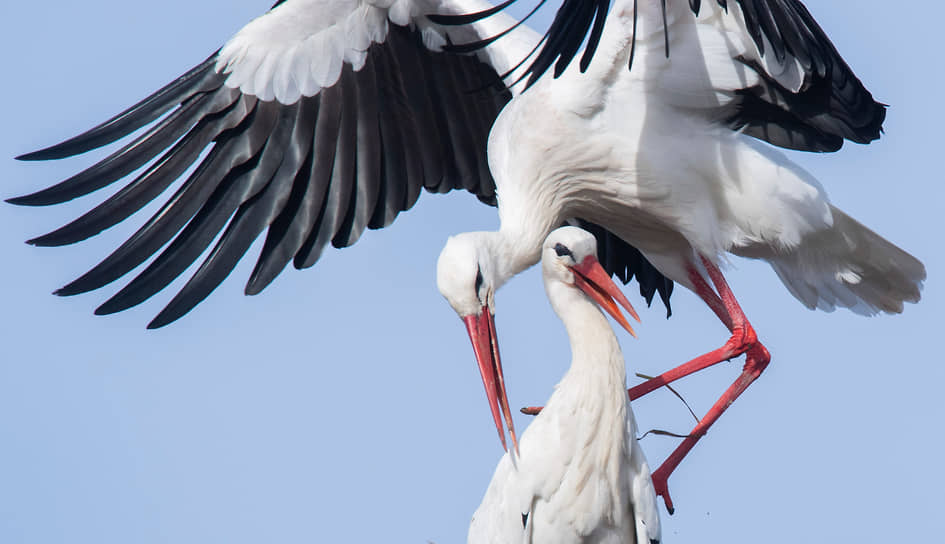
{"x":650,"y":154}
{"x":297,"y":49}
{"x":642,"y":151}
{"x":581,"y":476}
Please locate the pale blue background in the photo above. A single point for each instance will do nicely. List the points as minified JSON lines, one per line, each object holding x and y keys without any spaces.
{"x":343,"y":404}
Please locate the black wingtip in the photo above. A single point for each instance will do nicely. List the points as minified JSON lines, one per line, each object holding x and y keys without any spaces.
{"x":109,"y":307}
{"x":63,"y":292}
{"x":58,"y":151}
{"x":167,"y":316}
{"x":57,"y":194}
{"x":52,"y":239}
{"x":69,"y":290}
{"x":75,"y":287}
{"x":26,"y":200}
{"x":54,"y":152}
{"x":252,"y":289}
{"x":35,"y":242}
{"x":31,"y":156}
{"x":160,"y":321}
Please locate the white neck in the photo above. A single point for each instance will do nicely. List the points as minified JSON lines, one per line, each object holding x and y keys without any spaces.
{"x":594,"y":347}
{"x":590,"y":401}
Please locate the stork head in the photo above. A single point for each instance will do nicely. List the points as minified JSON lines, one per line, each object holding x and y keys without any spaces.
{"x":467,"y":276}
{"x":569,"y":258}
{"x":465,"y":273}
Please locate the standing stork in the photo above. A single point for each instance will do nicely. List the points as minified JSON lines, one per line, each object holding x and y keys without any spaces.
{"x":579,"y":475}
{"x":664,"y":150}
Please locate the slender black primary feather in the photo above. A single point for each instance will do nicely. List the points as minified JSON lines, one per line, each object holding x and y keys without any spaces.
{"x":319,"y":171}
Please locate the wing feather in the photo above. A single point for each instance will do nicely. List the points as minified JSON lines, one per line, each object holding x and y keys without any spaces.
{"x":394,"y":177}
{"x":316,"y":121}
{"x":367,"y":166}
{"x":204,"y":227}
{"x":179,"y":209}
{"x":804,"y":95}
{"x":341,"y":194}
{"x":199,"y":79}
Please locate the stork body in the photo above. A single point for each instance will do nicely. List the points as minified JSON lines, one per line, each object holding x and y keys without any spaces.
{"x":581,"y":476}
{"x":644,"y":152}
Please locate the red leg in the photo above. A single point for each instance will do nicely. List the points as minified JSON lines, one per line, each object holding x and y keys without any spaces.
{"x":743,"y":340}
{"x":708,"y":296}
{"x":757,"y":360}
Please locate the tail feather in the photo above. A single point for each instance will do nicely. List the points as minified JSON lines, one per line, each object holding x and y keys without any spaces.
{"x":850,"y":266}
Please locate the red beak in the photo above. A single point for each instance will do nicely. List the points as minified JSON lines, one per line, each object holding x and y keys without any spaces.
{"x":590,"y":277}
{"x":481,"y":330}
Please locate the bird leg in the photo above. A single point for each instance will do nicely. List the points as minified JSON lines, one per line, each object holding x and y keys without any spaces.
{"x":743,"y":340}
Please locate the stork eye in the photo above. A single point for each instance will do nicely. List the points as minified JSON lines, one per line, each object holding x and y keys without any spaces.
{"x":561,"y":250}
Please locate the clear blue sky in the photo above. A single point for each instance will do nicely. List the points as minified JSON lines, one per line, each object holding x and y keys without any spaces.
{"x":343,"y":404}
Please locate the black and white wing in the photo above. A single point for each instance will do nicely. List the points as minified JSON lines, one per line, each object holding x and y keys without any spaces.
{"x":317,"y":120}
{"x":771,"y":69}
{"x":800,"y":93}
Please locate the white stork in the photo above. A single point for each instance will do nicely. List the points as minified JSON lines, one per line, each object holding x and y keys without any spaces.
{"x":324,"y":117}
{"x":580,"y":475}
{"x":655,"y":137}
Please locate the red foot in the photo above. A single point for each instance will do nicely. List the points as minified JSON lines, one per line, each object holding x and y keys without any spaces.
{"x":662,"y":490}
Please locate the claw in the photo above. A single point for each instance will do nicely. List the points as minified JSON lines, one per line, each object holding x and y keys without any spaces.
{"x":662,"y":489}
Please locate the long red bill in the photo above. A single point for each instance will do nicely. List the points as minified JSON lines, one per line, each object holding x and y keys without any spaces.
{"x":481,"y":329}
{"x":590,"y":277}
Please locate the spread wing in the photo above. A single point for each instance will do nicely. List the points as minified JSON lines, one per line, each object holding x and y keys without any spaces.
{"x":317,"y":120}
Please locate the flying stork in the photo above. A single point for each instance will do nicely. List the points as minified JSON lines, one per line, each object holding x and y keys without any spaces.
{"x":657,"y":135}
{"x":579,"y":475}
